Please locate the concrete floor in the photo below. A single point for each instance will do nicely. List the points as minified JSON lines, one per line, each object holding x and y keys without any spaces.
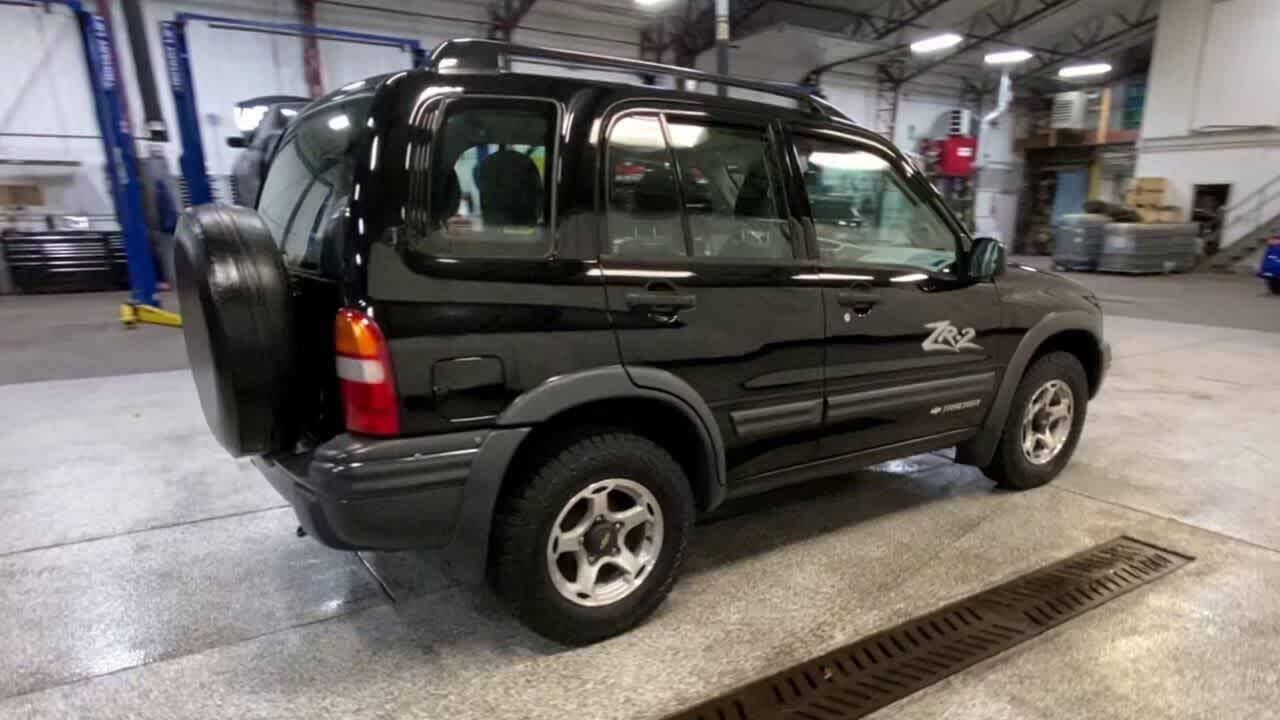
{"x":147,"y":575}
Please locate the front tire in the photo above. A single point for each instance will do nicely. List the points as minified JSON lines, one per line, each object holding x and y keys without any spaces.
{"x":1044,"y":423}
{"x":590,"y":545}
{"x":1273,"y":284}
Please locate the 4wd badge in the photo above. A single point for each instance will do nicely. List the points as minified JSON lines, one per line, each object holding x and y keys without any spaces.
{"x":946,"y":336}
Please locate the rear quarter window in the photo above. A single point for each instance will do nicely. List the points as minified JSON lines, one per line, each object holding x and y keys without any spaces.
{"x":488,"y":190}
{"x":310,"y":180}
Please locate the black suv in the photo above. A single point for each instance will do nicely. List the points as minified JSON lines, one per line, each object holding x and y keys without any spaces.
{"x":545,"y":322}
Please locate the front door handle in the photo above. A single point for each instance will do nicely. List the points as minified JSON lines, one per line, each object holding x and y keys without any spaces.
{"x":661,"y":303}
{"x":861,"y":300}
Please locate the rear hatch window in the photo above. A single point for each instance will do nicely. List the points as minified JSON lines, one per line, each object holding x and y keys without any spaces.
{"x":310,"y":183}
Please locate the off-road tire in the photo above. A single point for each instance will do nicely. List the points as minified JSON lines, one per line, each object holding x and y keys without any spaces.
{"x":1010,"y":467}
{"x":527,"y":512}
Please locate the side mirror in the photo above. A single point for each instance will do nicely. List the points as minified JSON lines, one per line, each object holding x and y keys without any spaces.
{"x":237,"y":141}
{"x":986,"y":259}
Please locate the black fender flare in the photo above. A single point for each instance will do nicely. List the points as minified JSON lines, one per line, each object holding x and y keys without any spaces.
{"x":467,"y":553}
{"x":980,"y":449}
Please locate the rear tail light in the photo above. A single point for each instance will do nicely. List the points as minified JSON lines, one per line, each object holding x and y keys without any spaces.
{"x":364,"y":375}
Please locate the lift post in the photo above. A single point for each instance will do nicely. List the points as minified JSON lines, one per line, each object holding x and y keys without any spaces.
{"x":121,"y":166}
{"x":178,"y":64}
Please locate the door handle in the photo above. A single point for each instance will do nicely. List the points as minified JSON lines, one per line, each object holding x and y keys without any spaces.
{"x":858,"y":299}
{"x":661,"y":303}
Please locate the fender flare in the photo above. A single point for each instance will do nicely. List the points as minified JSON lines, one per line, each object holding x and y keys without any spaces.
{"x":981,"y":449}
{"x":467,"y":553}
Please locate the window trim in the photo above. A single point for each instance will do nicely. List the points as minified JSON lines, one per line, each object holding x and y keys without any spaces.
{"x":774,"y":149}
{"x":435,"y":123}
{"x":909,"y":185}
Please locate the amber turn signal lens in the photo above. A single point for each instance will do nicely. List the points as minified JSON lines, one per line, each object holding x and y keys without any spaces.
{"x":356,"y":335}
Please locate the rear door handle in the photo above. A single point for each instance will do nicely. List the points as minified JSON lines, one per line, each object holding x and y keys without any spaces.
{"x":665,"y":303}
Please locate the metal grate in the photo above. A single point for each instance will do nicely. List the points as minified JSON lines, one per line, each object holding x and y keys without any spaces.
{"x":871,"y":673}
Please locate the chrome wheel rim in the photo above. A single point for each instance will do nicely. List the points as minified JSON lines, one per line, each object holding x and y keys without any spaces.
{"x":604,"y":542}
{"x":1046,"y":424}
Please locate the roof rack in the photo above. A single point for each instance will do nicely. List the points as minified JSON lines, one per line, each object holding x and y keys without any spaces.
{"x":489,"y":51}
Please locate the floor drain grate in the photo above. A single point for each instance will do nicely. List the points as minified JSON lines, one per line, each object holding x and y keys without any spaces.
{"x":868,"y":674}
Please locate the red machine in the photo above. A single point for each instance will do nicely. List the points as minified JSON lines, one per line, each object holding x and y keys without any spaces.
{"x":958,"y":152}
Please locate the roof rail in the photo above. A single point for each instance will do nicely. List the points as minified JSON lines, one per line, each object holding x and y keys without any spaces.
{"x":491,"y":50}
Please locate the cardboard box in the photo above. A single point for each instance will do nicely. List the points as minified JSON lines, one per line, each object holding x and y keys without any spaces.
{"x":1165,"y":214}
{"x":1131,"y":197}
{"x":1149,"y":198}
{"x":1151,"y":183}
{"x":21,"y":195}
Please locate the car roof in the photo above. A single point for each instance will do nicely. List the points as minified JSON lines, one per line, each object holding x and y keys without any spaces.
{"x":563,"y":87}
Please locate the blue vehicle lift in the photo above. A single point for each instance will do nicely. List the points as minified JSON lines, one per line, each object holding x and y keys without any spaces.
{"x":178,"y":63}
{"x":121,"y":166}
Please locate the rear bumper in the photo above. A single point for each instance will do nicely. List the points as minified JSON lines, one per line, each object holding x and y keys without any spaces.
{"x":361,"y":493}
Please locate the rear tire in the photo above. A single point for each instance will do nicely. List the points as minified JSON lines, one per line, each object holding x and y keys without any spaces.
{"x":548,"y":529}
{"x":1274,"y":285}
{"x":1038,"y":440}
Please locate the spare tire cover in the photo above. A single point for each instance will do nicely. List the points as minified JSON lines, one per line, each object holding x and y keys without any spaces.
{"x":233,"y":290}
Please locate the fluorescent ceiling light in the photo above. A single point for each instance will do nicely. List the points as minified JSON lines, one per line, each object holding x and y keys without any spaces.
{"x":339,"y":122}
{"x":1007,"y":57}
{"x":847,"y":161}
{"x":1084,"y":70}
{"x":936,"y":43}
{"x":686,"y":136}
{"x":288,"y":112}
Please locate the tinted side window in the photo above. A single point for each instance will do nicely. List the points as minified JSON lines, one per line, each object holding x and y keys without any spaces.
{"x":722,"y":177}
{"x":644,"y":200}
{"x":729,"y":190}
{"x":864,"y":213}
{"x":489,"y":189}
{"x":309,"y":177}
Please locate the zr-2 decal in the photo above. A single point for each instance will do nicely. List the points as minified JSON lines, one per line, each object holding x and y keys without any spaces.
{"x":946,"y":336}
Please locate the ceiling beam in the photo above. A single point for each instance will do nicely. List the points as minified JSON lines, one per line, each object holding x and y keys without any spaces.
{"x":1018,"y":19}
{"x":505,"y":16}
{"x":918,"y":9}
{"x":1122,"y":31}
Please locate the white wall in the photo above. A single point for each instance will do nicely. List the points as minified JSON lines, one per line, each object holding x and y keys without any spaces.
{"x":1210,"y":86}
{"x":234,"y":65}
{"x":46,"y":92}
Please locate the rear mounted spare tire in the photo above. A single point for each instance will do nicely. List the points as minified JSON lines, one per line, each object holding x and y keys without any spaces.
{"x":233,"y":291}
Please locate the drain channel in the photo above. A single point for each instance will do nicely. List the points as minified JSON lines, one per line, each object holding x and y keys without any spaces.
{"x":871,"y":673}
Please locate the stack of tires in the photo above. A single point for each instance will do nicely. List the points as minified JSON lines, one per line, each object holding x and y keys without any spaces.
{"x":1077,"y":241}
{"x":1149,"y":247}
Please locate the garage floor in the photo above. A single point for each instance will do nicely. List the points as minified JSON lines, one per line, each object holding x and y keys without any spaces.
{"x":145,"y":574}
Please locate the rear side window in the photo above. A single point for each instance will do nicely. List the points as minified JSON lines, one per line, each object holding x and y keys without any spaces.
{"x":722,"y":177}
{"x":310,"y":179}
{"x":489,"y":188}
